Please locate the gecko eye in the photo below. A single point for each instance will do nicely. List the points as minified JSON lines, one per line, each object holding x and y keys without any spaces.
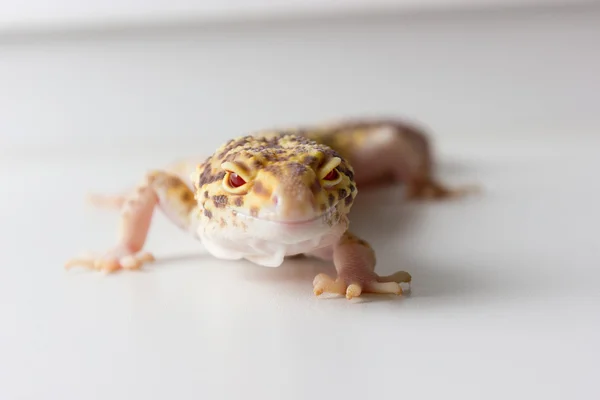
{"x":332,"y":178}
{"x":332,"y":175}
{"x":235,"y":180}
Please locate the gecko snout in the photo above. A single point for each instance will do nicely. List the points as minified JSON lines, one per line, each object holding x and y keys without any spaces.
{"x":293,"y":203}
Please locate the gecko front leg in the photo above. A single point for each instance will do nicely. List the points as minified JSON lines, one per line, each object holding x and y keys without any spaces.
{"x":354,"y":261}
{"x":160,"y":188}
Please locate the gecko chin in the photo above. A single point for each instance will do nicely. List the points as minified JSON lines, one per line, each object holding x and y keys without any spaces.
{"x":267,"y":240}
{"x":268,"y":243}
{"x":267,"y":237}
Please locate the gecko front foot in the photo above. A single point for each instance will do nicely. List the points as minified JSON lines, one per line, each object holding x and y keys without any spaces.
{"x":111,"y":261}
{"x":354,"y":261}
{"x":351,"y":288}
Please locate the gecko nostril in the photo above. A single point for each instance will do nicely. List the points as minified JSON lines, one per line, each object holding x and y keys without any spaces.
{"x":275,"y":200}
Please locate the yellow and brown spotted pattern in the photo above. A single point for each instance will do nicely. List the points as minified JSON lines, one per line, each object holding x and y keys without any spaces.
{"x":269,"y":161}
{"x":344,"y":138}
{"x":349,"y":137}
{"x":174,"y":189}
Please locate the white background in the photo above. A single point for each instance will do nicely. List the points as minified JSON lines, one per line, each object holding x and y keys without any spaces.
{"x":497,"y":73}
{"x":505,"y":302}
{"x":68,"y":14}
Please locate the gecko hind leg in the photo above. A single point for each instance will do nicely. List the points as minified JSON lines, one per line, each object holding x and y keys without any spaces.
{"x":411,"y":163}
{"x":159,"y":188}
{"x":430,"y":189}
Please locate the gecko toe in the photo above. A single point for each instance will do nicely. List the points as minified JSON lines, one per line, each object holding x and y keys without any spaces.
{"x":353,"y":290}
{"x":110,"y":262}
{"x":323,"y":283}
{"x":379,"y":285}
{"x":385,"y":288}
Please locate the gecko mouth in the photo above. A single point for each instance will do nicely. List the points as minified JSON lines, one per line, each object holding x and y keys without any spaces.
{"x":325,"y":215}
{"x":297,"y":223}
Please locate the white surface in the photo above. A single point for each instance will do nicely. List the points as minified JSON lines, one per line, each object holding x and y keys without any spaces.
{"x":68,"y":14}
{"x":505,"y":301}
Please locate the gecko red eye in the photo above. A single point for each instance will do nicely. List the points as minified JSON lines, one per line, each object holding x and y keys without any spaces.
{"x":332,"y":175}
{"x":235,"y":180}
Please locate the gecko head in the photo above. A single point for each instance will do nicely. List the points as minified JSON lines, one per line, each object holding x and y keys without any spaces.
{"x":277,"y":177}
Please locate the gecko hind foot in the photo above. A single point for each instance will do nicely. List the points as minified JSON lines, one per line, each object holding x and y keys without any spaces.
{"x":113,"y":202}
{"x":112,"y":261}
{"x":323,"y":283}
{"x":431,"y":190}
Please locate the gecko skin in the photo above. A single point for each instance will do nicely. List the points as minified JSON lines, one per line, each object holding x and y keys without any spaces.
{"x":281,"y":193}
